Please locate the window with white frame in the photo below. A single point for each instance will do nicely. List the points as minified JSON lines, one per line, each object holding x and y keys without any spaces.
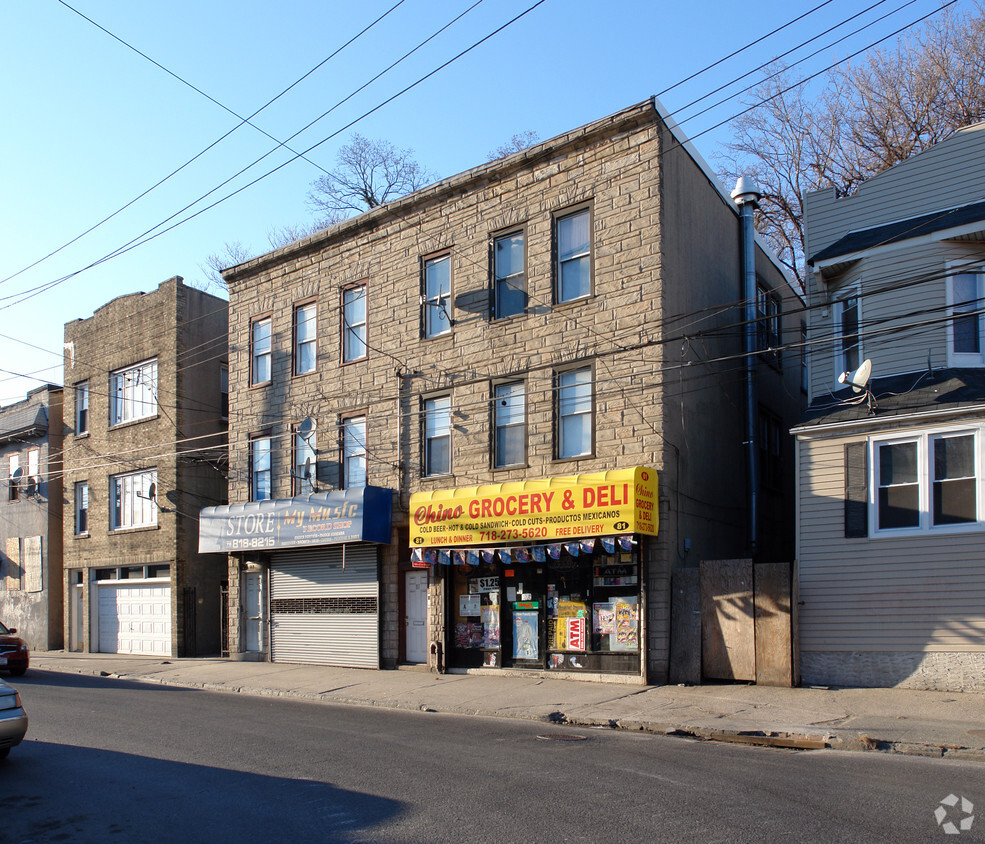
{"x":437,"y":296}
{"x":260,"y":346}
{"x":437,"y":435}
{"x":574,"y":413}
{"x":354,"y":452}
{"x":305,"y":338}
{"x":927,"y":481}
{"x":966,"y":298}
{"x":34,"y":463}
{"x":13,"y":477}
{"x":305,"y":463}
{"x":848,"y":348}
{"x":260,"y":472}
{"x":81,"y":508}
{"x":354,"y":323}
{"x":133,"y":500}
{"x":133,"y":393}
{"x":510,"y":294}
{"x":573,"y":244}
{"x":82,"y":408}
{"x":509,"y":414}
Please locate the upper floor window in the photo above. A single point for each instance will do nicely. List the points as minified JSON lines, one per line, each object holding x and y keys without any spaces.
{"x":509,"y":414}
{"x":82,"y":408}
{"x":354,"y":323}
{"x":34,"y":464}
{"x":260,"y":474}
{"x":804,"y":369}
{"x":354,"y":452}
{"x":437,"y":436}
{"x":305,"y":463}
{"x":14,"y":477}
{"x":133,"y":499}
{"x":260,"y":347}
{"x":81,"y":508}
{"x":574,"y":413}
{"x":767,"y":319}
{"x":966,"y":297}
{"x":770,"y":450}
{"x":305,"y":338}
{"x":133,"y":393}
{"x":848,"y":345}
{"x":437,"y":296}
{"x":224,"y":390}
{"x":508,"y":271}
{"x":927,"y":481}
{"x":572,"y":235}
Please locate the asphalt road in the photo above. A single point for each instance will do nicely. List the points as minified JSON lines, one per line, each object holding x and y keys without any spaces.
{"x":109,"y":760}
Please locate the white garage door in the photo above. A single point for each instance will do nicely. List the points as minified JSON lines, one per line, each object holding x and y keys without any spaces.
{"x":135,"y":619}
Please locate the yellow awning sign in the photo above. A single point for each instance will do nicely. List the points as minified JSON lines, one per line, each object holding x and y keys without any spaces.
{"x":620,"y":501}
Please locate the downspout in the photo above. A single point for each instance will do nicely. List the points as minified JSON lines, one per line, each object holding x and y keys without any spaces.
{"x":746,"y":195}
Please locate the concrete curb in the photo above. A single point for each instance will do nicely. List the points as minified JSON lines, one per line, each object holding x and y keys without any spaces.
{"x":838,"y":740}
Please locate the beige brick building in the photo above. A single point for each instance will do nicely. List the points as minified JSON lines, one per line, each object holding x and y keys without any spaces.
{"x":570,"y":310}
{"x":145,"y":448}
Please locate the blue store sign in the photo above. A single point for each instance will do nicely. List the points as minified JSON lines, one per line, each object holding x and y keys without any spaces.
{"x":322,"y":518}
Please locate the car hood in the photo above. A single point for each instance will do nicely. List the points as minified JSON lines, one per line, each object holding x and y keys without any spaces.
{"x":12,"y":641}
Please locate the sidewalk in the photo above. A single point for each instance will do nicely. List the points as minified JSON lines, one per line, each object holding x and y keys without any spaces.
{"x":935,"y":724}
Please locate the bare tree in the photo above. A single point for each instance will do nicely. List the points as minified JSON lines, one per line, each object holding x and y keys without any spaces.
{"x":865,"y":118}
{"x":520,"y":141}
{"x":283,"y":235}
{"x":369,"y":173}
{"x":234,"y":252}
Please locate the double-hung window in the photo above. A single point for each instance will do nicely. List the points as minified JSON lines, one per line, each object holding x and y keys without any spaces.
{"x":437,"y":296}
{"x":927,"y":481}
{"x":260,"y":346}
{"x":81,"y":508}
{"x":767,"y":319}
{"x":510,"y":294}
{"x":354,"y":452}
{"x":437,"y":435}
{"x":573,"y":245}
{"x":966,"y":297}
{"x":354,"y":323}
{"x":305,"y":338}
{"x":509,"y":414}
{"x":82,"y":408}
{"x":260,"y":474}
{"x":132,"y":500}
{"x":848,"y":346}
{"x":133,"y":393}
{"x":574,"y":413}
{"x":14,"y":477}
{"x":224,"y":390}
{"x":305,"y":463}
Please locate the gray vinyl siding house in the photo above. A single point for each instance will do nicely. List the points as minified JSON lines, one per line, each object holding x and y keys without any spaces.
{"x":890,"y":501}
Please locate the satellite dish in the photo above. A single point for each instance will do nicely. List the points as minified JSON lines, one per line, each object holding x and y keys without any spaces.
{"x":32,"y":486}
{"x":858,"y":379}
{"x":152,"y":492}
{"x":306,"y":428}
{"x":307,"y":469}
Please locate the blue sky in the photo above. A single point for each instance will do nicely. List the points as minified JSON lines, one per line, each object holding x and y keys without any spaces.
{"x":89,"y":124}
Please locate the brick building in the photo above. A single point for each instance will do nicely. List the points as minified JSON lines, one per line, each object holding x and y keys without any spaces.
{"x":496,"y":370}
{"x":146,"y":380}
{"x":31,"y":517}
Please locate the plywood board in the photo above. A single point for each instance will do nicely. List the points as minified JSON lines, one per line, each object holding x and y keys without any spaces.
{"x":728,"y":632}
{"x":685,"y":630}
{"x":33,"y":576}
{"x":12,"y":548}
{"x":774,"y":645}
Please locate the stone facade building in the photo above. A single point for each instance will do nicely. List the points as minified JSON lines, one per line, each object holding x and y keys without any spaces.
{"x":540,"y":356}
{"x":31,"y":518}
{"x":145,"y":378}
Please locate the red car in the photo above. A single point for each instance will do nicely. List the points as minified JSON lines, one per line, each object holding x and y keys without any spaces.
{"x":13,"y":652}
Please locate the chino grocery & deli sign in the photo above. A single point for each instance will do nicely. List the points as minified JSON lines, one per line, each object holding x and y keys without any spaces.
{"x":573,"y":507}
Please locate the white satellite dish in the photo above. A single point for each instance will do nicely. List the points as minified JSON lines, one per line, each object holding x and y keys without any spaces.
{"x":858,"y":379}
{"x":306,"y":428}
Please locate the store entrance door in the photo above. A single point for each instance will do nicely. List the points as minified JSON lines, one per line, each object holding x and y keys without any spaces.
{"x":416,"y":598}
{"x":523,"y":616}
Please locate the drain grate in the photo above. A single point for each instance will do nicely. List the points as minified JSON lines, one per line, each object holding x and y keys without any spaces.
{"x":561,"y":737}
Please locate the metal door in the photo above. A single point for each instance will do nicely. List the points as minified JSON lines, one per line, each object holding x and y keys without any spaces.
{"x":416,"y":595}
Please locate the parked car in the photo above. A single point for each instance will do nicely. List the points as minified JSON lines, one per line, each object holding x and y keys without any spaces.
{"x":13,"y":652}
{"x":13,"y":719}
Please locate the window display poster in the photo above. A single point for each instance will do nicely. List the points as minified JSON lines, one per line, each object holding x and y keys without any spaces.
{"x":576,"y":634}
{"x":525,"y":635}
{"x":468,"y":605}
{"x":605,"y":619}
{"x":490,"y":625}
{"x":627,"y":636}
{"x":468,"y":635}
